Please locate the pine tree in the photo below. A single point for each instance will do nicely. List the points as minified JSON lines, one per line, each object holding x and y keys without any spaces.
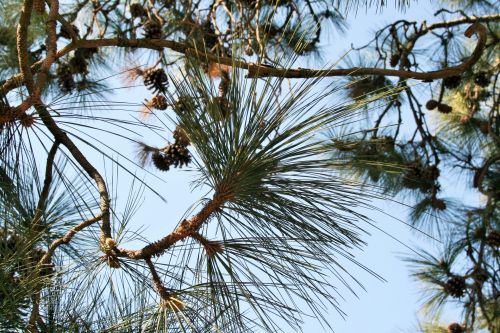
{"x":450,"y":139}
{"x":264,"y":243}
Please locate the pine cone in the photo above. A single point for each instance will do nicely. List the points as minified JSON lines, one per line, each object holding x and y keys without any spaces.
{"x":64,"y":33}
{"x":160,"y":161}
{"x":159,"y":102}
{"x":430,"y":173}
{"x":183,"y":104}
{"x":86,"y":53}
{"x":493,"y":238}
{"x":137,"y":10}
{"x":484,"y":127}
{"x":405,"y":62}
{"x":153,"y":29}
{"x":249,"y":50}
{"x":224,"y":84}
{"x":438,"y":204}
{"x":78,"y":65}
{"x":452,"y":82}
{"x":181,"y":137}
{"x":456,"y":328}
{"x":156,"y":80}
{"x":65,"y":78}
{"x":394,"y":60}
{"x":444,"y":108}
{"x":173,"y":155}
{"x":209,"y":35}
{"x":455,"y":286}
{"x":431,"y":104}
{"x":178,"y":155}
{"x":482,"y":79}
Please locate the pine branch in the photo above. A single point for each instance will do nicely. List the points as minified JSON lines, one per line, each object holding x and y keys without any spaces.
{"x":184,"y":230}
{"x":64,"y":139}
{"x":22,"y":45}
{"x":40,"y":209}
{"x":51,"y":44}
{"x":260,"y":70}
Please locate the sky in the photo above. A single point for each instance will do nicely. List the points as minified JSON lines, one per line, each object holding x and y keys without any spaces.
{"x":383,"y":307}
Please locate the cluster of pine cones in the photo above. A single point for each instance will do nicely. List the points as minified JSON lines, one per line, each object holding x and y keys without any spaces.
{"x":455,"y":286}
{"x":152,"y":26}
{"x":77,"y":65}
{"x":420,"y":176}
{"x":480,"y":80}
{"x":175,"y":154}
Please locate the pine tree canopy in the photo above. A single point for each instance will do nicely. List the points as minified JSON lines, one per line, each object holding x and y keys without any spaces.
{"x":284,"y":160}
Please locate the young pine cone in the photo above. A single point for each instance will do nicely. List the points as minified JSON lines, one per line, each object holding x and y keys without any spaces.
{"x":452,"y":82}
{"x":444,"y":108}
{"x":493,"y":238}
{"x":455,"y":286}
{"x":156,"y":80}
{"x":153,"y":29}
{"x":431,"y":104}
{"x":159,"y":102}
{"x":65,"y":78}
{"x":456,"y":328}
{"x":137,"y":10}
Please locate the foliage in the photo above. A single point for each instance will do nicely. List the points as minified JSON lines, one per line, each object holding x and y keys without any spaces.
{"x":449,"y":139}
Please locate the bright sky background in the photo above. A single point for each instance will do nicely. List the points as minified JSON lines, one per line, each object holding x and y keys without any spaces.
{"x":385,"y":307}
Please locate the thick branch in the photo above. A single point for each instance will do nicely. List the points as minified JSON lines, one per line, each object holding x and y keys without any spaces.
{"x":185,"y":229}
{"x":22,"y":44}
{"x":477,"y":28}
{"x":63,"y":138}
{"x":259,"y":70}
{"x":51,"y":43}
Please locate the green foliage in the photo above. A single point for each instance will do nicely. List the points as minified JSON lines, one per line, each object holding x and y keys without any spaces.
{"x":454,"y":140}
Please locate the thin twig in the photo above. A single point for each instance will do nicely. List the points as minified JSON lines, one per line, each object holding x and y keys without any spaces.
{"x":46,"y":184}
